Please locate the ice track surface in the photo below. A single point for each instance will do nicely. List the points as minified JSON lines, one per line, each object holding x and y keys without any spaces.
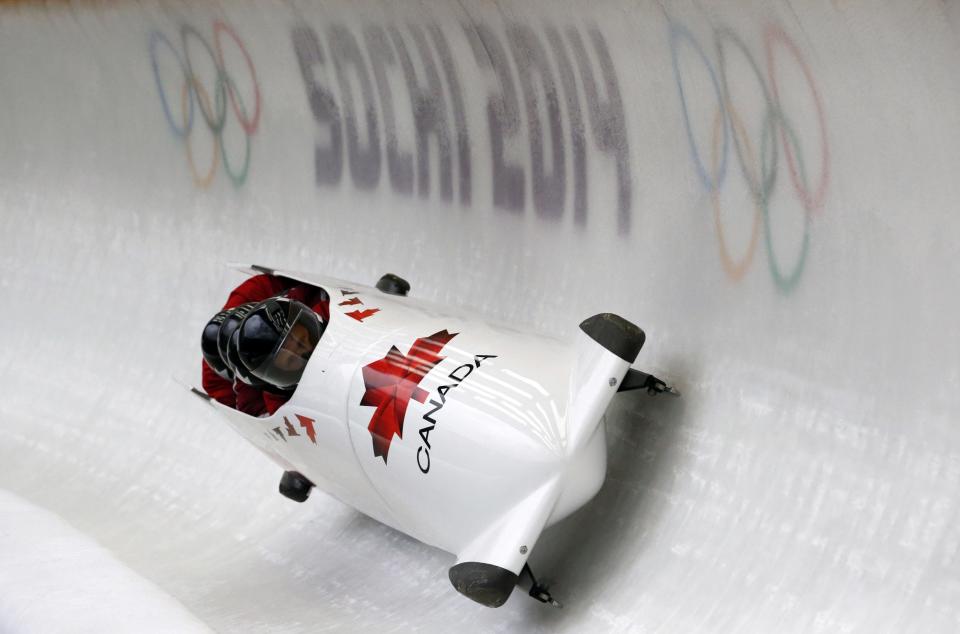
{"x":768,"y":189}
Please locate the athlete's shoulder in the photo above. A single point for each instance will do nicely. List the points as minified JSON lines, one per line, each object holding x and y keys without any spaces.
{"x":257,"y":289}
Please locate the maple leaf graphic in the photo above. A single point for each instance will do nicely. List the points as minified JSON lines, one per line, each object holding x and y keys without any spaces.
{"x":360,"y":315}
{"x":392,"y":381}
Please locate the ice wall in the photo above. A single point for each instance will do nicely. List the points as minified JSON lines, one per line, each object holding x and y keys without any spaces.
{"x":769,"y":189}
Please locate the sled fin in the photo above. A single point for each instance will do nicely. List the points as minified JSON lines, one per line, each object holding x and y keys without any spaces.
{"x":488,"y":568}
{"x":605,"y":347}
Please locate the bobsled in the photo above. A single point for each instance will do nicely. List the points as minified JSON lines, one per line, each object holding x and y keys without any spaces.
{"x":469,"y":436}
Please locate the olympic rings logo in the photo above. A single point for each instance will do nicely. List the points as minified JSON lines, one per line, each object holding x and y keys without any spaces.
{"x":760,"y":177}
{"x":195,"y":96}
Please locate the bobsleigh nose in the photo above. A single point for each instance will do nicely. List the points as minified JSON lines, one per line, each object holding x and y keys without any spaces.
{"x":486,"y":584}
{"x":616,"y":334}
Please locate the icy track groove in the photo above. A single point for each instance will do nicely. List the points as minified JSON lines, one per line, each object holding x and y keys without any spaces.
{"x":769,"y":189}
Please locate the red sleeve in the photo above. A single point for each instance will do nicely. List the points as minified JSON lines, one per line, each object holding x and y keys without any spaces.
{"x":273,"y":402}
{"x":257,"y":289}
{"x":314,"y":297}
{"x":217,"y":386}
{"x":250,"y":400}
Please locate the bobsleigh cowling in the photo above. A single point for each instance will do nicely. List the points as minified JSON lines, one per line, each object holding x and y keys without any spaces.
{"x":468,"y":436}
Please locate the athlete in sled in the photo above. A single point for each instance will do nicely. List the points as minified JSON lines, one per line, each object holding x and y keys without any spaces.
{"x":465,"y":435}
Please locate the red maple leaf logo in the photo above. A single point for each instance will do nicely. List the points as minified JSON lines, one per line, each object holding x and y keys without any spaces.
{"x":392,"y":381}
{"x":360,"y":315}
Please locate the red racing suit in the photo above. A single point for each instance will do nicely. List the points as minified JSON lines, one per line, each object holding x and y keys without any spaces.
{"x":236,"y":393}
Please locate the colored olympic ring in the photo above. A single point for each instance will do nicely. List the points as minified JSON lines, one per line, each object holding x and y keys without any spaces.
{"x":810,"y":201}
{"x":761,"y":182}
{"x":758,"y":189}
{"x":734,"y":269}
{"x":195,"y":96}
{"x":202,"y":97}
{"x":786,"y":283}
{"x":678,"y":33}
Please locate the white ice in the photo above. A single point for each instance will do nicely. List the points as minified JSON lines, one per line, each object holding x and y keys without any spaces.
{"x":54,"y":578}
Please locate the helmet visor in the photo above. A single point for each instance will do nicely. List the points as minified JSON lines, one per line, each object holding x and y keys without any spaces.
{"x":285,"y":365}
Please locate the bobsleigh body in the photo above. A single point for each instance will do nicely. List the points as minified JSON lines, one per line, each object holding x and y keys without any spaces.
{"x":468,"y":436}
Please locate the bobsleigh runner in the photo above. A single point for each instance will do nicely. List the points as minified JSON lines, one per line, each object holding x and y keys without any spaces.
{"x":468,"y":436}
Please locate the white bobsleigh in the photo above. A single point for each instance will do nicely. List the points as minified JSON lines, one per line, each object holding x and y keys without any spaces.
{"x":467,"y":436}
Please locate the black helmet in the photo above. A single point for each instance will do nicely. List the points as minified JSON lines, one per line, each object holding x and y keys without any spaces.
{"x":230,"y":323}
{"x":208,"y":344}
{"x":241,"y":370}
{"x":277,"y":338}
